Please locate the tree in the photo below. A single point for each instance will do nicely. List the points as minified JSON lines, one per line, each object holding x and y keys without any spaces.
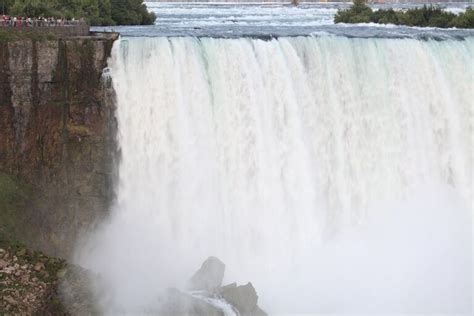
{"x":90,"y":10}
{"x":359,"y":12}
{"x":131,"y":12}
{"x":32,"y":8}
{"x":359,"y":3}
{"x":433,"y":16}
{"x":96,"y":12}
{"x":105,"y":13}
{"x":464,"y":20}
{"x":5,"y":6}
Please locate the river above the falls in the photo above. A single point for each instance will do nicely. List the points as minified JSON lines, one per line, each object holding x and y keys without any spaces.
{"x":234,"y":20}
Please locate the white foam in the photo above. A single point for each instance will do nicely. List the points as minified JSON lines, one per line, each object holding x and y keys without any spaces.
{"x":333,"y":173}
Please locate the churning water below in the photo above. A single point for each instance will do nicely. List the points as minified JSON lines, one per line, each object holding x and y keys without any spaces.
{"x":335,"y":173}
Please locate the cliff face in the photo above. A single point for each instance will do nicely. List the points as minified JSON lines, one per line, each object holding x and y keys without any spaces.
{"x":57,"y":132}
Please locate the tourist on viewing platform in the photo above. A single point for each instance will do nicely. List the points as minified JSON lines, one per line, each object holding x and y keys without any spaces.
{"x":21,"y":22}
{"x":95,"y":12}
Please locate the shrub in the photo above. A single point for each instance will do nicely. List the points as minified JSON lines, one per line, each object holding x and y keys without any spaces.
{"x":131,"y":12}
{"x":381,"y":16}
{"x":433,"y":16}
{"x":359,"y":12}
{"x":464,"y":20}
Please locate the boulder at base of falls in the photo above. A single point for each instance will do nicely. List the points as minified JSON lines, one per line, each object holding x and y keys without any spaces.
{"x":209,"y":277}
{"x":177,"y":303}
{"x":207,"y":282}
{"x":243,"y":298}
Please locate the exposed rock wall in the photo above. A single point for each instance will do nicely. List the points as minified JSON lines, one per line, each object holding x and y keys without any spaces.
{"x":57,"y":135}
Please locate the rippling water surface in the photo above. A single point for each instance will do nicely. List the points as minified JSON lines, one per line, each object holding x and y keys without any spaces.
{"x":274,"y":20}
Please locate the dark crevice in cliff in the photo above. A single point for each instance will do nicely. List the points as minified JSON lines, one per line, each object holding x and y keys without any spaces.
{"x":6,"y":109}
{"x":63,"y":80}
{"x":5,"y":91}
{"x":35,"y":100}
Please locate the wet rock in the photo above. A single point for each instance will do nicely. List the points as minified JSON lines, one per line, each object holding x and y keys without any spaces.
{"x":9,"y":270}
{"x":25,"y":278}
{"x":177,"y":303}
{"x":207,"y":296}
{"x":209,"y":276}
{"x":3,"y":263}
{"x":45,"y":274}
{"x":39,"y":266}
{"x":244,"y":298}
{"x":201,"y":301}
{"x":61,"y":273}
{"x":77,"y":290}
{"x":10,"y":300}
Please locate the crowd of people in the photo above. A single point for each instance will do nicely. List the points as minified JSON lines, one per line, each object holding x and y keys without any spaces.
{"x":19,"y":21}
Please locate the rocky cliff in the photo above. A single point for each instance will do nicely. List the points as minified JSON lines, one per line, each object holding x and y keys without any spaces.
{"x":57,"y":139}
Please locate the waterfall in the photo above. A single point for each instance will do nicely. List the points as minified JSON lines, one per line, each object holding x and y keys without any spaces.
{"x":333,"y":173}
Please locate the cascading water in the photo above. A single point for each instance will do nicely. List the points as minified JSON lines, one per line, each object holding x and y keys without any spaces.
{"x":333,"y":173}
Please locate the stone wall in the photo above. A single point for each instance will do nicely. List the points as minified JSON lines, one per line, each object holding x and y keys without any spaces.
{"x":81,"y":29}
{"x":57,"y":136}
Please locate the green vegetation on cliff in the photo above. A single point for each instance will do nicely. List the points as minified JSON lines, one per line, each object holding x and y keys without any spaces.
{"x":28,"y":281}
{"x":431,"y":16}
{"x":14,"y":195}
{"x":96,"y":12}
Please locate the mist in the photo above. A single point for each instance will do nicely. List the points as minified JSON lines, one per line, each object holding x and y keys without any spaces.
{"x":335,"y":174}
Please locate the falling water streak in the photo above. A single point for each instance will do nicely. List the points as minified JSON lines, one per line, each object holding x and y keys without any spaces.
{"x":258,"y":151}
